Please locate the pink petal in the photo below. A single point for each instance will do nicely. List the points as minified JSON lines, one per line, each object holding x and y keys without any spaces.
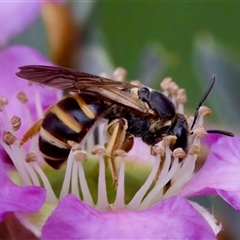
{"x":10,"y":59}
{"x":15,"y":17}
{"x":220,"y":174}
{"x":210,"y":139}
{"x":173,"y":218}
{"x":15,"y":198}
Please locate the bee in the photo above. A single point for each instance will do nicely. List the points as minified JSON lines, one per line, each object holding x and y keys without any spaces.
{"x":131,"y":111}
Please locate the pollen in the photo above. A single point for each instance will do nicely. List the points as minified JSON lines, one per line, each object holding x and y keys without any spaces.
{"x":119,"y":74}
{"x":22,"y":97}
{"x":31,"y":157}
{"x":165,"y":84}
{"x":200,"y":132}
{"x":195,"y":149}
{"x":168,"y":140}
{"x":181,"y":96}
{"x":204,"y":111}
{"x":3,"y":102}
{"x":9,"y":138}
{"x":179,"y":153}
{"x":157,"y":150}
{"x":80,"y":155}
{"x":16,"y":123}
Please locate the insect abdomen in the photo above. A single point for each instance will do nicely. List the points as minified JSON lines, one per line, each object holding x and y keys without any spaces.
{"x":70,"y":119}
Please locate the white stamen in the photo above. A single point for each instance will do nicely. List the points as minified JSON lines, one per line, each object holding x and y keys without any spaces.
{"x":5,"y":123}
{"x":32,"y":174}
{"x":180,"y":108}
{"x":51,"y":197}
{"x":18,"y":162}
{"x":138,"y":197}
{"x":161,"y":182}
{"x":185,"y":174}
{"x":102,"y":201}
{"x":67,"y":177}
{"x":38,"y":104}
{"x":119,"y":201}
{"x":74,"y":180}
{"x":101,"y":136}
{"x":87,"y":197}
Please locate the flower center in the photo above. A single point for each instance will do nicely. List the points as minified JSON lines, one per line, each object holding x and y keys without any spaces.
{"x":86,"y":173}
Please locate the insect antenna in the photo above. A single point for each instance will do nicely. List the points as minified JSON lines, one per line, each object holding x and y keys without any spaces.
{"x":213,"y":79}
{"x":227,"y":133}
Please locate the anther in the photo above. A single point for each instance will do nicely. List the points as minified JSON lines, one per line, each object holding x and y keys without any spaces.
{"x":204,"y":111}
{"x":16,"y":123}
{"x":168,"y":140}
{"x":80,"y":155}
{"x":75,"y":146}
{"x":195,"y":149}
{"x":136,"y":83}
{"x":97,"y":149}
{"x":119,"y":153}
{"x":119,"y":74}
{"x":179,"y":153}
{"x":173,"y":88}
{"x":31,"y":157}
{"x":155,"y":150}
{"x":9,"y":138}
{"x":3,"y":102}
{"x":165,"y":83}
{"x":181,"y":96}
{"x":22,"y":97}
{"x":199,"y":132}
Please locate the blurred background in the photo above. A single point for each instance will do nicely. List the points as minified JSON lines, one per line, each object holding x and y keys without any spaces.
{"x":188,"y":41}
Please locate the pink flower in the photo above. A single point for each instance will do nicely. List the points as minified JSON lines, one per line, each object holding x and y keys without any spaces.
{"x":220,"y":174}
{"x":173,"y":218}
{"x":11,"y":58}
{"x":14,"y":198}
{"x":18,"y":15}
{"x":149,"y":200}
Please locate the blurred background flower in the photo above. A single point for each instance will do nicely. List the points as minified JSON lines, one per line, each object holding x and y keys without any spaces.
{"x":187,"y":41}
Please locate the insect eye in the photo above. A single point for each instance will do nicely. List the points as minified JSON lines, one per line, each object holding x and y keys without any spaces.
{"x":162,"y":105}
{"x":158,"y":102}
{"x":144,"y":94}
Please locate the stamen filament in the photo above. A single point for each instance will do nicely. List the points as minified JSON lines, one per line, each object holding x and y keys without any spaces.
{"x":6,"y":124}
{"x":101,"y":136}
{"x":161,"y":182}
{"x":138,"y":197}
{"x":186,"y":172}
{"x":87,"y":197}
{"x":180,"y":108}
{"x":74,"y":180}
{"x":102,"y":201}
{"x":18,"y":162}
{"x":27,"y":115}
{"x":32,"y":174}
{"x":38,"y":104}
{"x":119,"y":200}
{"x":67,"y":177}
{"x":51,"y":197}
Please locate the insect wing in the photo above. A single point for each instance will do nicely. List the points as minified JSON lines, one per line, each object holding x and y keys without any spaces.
{"x":72,"y":80}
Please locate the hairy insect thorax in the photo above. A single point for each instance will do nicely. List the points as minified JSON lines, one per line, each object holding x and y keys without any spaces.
{"x":149,"y":129}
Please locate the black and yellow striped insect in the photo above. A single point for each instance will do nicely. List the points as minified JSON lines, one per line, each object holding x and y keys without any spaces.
{"x":131,"y":111}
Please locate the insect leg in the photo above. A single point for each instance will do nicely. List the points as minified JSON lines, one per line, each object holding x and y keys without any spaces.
{"x":119,"y":139}
{"x":33,"y":130}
